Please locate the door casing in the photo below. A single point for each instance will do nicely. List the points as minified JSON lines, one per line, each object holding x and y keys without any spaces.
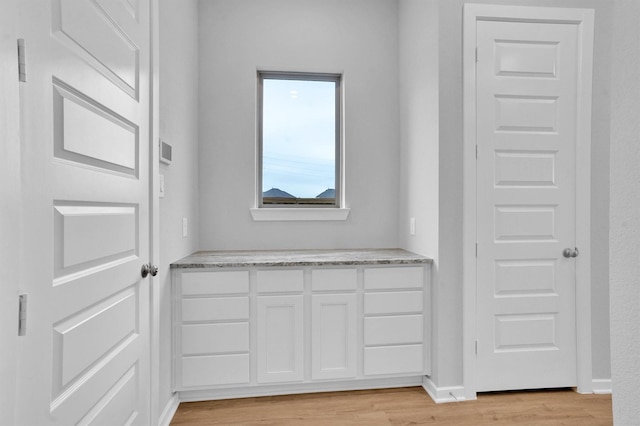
{"x":10,"y":221}
{"x":584,"y":19}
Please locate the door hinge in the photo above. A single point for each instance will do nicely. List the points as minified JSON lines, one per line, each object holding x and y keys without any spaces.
{"x":22,"y":62}
{"x":476,"y":249}
{"x":476,"y":347}
{"x":22,"y":315}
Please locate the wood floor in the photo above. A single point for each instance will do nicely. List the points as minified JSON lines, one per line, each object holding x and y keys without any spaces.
{"x":403,"y":406}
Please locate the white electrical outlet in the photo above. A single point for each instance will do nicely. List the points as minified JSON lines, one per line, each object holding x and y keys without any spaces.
{"x":412,"y":226}
{"x":185,"y":229}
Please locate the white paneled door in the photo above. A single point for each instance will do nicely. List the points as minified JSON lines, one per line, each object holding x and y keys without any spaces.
{"x":528,"y":83}
{"x":85,"y":151}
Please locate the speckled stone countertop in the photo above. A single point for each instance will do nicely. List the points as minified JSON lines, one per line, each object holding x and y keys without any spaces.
{"x":284,"y":258}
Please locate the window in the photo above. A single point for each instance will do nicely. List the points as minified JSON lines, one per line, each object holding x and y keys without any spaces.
{"x":299,"y":140}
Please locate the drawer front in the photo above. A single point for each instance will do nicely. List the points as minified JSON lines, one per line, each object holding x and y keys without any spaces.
{"x":215,"y":338}
{"x":393,"y":330}
{"x":215,"y":370}
{"x":222,"y":282}
{"x":393,"y":302}
{"x":280,"y":281}
{"x":392,"y":278}
{"x":334,"y":279}
{"x":394,"y":360}
{"x":215,"y":309}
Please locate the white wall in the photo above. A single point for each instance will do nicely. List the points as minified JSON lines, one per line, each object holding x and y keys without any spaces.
{"x":419,"y":143}
{"x":448,"y":320}
{"x":600,"y":143}
{"x":358,"y":38}
{"x":419,"y":115}
{"x":410,"y":52}
{"x":179,"y":127}
{"x":625,"y":213}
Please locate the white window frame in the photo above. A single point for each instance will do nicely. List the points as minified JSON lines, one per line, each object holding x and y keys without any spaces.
{"x":301,"y":212}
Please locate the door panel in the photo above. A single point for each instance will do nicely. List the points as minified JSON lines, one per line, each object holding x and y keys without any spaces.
{"x":333,"y":335}
{"x":85,"y":126}
{"x":526,"y":134}
{"x":280,"y":338}
{"x":105,"y":33}
{"x":90,"y":134}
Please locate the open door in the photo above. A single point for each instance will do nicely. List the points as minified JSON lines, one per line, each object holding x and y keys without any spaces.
{"x":85,"y":123}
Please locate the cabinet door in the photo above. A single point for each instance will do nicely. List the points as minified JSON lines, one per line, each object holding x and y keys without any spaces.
{"x":333,"y":336}
{"x":280,"y":339}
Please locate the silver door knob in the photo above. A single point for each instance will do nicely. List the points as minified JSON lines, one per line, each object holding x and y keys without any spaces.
{"x":147,"y":269}
{"x":570,"y":252}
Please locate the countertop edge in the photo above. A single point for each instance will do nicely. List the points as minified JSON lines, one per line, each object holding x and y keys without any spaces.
{"x":252,"y":260}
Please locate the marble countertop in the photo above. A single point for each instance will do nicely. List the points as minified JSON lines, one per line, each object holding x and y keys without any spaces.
{"x":284,"y":258}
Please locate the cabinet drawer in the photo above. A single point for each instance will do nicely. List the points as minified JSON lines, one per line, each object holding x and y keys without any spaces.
{"x":215,"y":338}
{"x":223,"y":282}
{"x":215,"y":370}
{"x":334,"y":279}
{"x":280,"y":281}
{"x":393,"y":330}
{"x":393,"y":302}
{"x":215,"y":308}
{"x":391,"y":278}
{"x":394,"y":360}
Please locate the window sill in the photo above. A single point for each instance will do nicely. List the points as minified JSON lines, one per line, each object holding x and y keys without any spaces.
{"x":299,"y":214}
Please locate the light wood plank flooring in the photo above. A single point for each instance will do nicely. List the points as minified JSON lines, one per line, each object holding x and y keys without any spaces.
{"x":403,"y":406}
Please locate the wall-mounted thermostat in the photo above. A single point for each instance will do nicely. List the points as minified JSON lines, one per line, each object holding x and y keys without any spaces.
{"x":166,"y":152}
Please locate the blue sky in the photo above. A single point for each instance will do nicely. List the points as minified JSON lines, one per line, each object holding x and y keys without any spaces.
{"x":298,"y":138}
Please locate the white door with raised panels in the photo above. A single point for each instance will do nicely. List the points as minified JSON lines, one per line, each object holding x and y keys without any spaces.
{"x":527,"y":92}
{"x":86,"y":184}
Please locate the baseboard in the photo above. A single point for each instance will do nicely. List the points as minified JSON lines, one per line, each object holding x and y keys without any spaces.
{"x":169,"y":411}
{"x":291,"y":389}
{"x":602,"y":386}
{"x":444,"y":393}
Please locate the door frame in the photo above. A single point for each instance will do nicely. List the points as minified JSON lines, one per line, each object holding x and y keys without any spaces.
{"x":584,"y":19}
{"x":155,"y":304}
{"x":10,"y":204}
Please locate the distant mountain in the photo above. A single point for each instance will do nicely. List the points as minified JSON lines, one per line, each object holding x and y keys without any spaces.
{"x":276,"y":193}
{"x":329,"y":193}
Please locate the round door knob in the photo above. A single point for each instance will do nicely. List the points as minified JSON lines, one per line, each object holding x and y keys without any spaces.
{"x":570,"y":252}
{"x":147,"y":269}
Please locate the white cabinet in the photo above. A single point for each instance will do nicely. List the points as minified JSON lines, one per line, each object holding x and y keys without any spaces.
{"x":213,"y":328}
{"x":280,"y":339}
{"x":333,"y":324}
{"x":394,"y":321}
{"x":263,"y":330}
{"x":280,"y":322}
